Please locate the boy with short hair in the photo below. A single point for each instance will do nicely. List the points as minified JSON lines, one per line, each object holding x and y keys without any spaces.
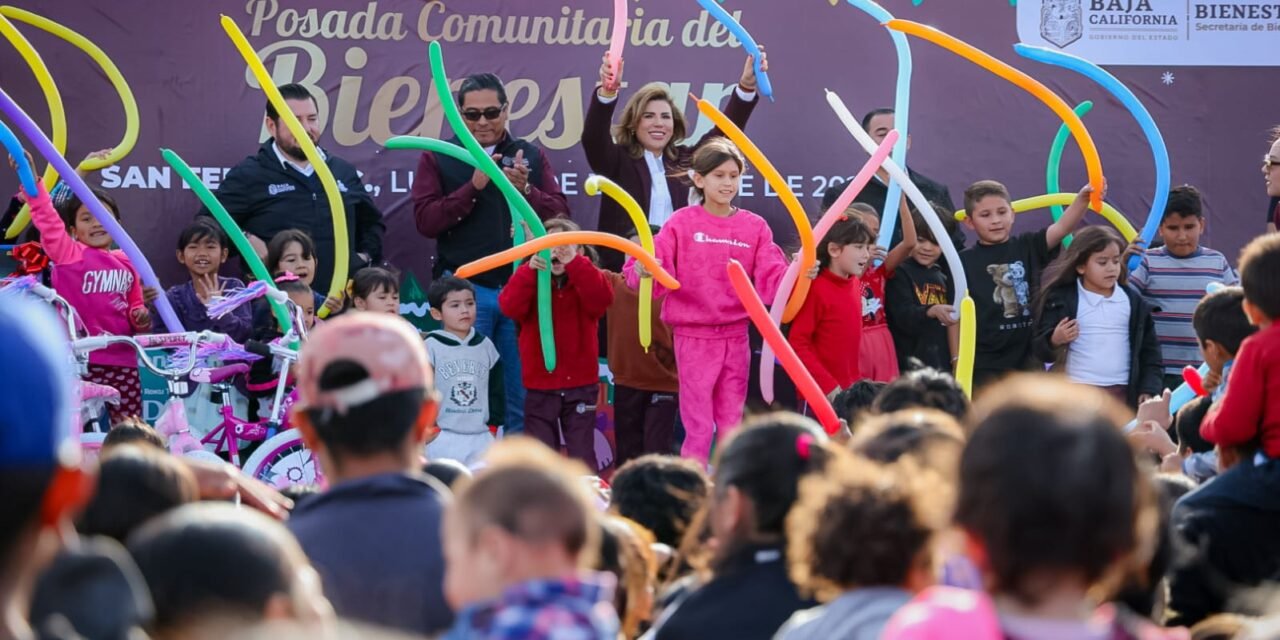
{"x":1230,"y":522}
{"x":1173,"y":279}
{"x":468,"y":374}
{"x":1003,"y":271}
{"x":1250,"y":408}
{"x":918,"y":297}
{"x":517,"y":540}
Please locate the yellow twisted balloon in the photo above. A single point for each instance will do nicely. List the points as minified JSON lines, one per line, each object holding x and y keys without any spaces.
{"x":341,"y":242}
{"x":596,"y":184}
{"x":51,"y":95}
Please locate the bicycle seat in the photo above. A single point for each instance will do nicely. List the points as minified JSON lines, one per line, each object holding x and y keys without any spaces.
{"x":219,"y":374}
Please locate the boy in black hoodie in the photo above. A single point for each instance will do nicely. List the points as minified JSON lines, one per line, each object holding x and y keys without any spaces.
{"x":918,"y":303}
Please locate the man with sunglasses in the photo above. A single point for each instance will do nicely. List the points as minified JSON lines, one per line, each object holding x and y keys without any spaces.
{"x":457,"y":206}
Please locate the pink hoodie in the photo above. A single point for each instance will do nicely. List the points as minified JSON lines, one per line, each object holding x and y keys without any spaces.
{"x":696,"y":246}
{"x":100,"y":284}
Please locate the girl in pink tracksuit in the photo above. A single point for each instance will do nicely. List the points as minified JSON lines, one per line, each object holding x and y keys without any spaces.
{"x":709,"y":323}
{"x":101,"y":284}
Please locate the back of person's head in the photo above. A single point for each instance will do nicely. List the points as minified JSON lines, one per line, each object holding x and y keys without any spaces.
{"x":68,"y":208}
{"x":91,"y":590}
{"x":975,"y":192}
{"x":533,"y":494}
{"x":291,"y":284}
{"x":365,"y":388}
{"x":932,"y":439}
{"x":1220,"y":317}
{"x":764,"y":462}
{"x":662,"y":493}
{"x":1259,"y":264}
{"x":443,"y":286}
{"x":860,"y":525}
{"x":1184,"y":201}
{"x":861,"y":209}
{"x":854,"y":403}
{"x":450,"y":473}
{"x":209,"y":563}
{"x":291,"y":91}
{"x":927,"y":388}
{"x":135,"y":484}
{"x":132,"y":431}
{"x":482,"y":82}
{"x":1050,"y":489}
{"x":843,"y":233}
{"x":626,"y":552}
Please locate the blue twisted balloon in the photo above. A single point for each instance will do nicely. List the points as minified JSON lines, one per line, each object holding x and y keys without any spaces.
{"x":1159,"y":152}
{"x":714,"y":9}
{"x":14,"y":147}
{"x":902,"y":111}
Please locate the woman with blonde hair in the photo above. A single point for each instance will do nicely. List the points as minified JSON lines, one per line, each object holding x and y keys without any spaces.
{"x":644,"y":153}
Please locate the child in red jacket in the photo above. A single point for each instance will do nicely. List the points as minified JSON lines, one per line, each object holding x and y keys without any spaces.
{"x":563,"y":400}
{"x":827,"y":332}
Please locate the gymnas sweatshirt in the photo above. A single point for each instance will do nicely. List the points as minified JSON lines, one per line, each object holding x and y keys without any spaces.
{"x":101,"y":284}
{"x":695,"y":246}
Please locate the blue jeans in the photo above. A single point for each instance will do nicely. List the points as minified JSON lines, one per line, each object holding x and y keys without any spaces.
{"x":502,"y":331}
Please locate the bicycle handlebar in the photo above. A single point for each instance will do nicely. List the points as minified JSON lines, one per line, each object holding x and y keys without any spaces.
{"x":191,"y":339}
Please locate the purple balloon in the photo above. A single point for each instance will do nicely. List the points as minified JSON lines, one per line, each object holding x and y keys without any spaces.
{"x":108,"y":221}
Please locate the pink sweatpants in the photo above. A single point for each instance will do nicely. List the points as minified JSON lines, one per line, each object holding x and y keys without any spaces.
{"x":714,"y":364}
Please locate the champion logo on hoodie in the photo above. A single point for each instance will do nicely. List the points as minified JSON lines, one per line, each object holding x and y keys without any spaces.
{"x":277,"y":189}
{"x":704,"y":238}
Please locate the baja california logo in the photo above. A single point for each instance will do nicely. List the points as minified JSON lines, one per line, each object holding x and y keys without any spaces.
{"x":1061,"y":22}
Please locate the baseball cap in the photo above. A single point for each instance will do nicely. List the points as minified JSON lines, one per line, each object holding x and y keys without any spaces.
{"x":358,"y":357}
{"x":38,"y":396}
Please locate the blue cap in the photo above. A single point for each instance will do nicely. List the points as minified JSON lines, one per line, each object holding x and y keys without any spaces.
{"x":37,"y":386}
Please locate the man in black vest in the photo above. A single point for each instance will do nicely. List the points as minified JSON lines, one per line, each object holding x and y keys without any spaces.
{"x":278,"y":189}
{"x":467,"y":216}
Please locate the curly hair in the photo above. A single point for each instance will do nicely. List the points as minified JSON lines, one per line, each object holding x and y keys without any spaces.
{"x":660,"y":493}
{"x":859,"y":525}
{"x":932,"y":439}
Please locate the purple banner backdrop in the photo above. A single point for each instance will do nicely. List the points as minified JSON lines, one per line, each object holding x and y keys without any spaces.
{"x":370,"y":61}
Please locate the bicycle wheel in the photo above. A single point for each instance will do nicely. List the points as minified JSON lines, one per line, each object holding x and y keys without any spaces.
{"x":283,"y":461}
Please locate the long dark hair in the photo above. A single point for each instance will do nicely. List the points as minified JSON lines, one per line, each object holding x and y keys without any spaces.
{"x":1087,"y":242}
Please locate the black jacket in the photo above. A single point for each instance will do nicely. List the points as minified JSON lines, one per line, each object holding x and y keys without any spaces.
{"x":1227,"y":544}
{"x":750,"y":597}
{"x":909,"y":294}
{"x":265,"y":198}
{"x":1146,"y":368}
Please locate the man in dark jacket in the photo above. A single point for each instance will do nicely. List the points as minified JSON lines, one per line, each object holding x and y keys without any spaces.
{"x":278,"y":189}
{"x":366,"y":404}
{"x":467,"y":215}
{"x":879,"y":123}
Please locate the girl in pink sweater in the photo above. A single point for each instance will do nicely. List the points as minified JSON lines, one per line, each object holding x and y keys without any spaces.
{"x":101,"y":284}
{"x":707,"y":320}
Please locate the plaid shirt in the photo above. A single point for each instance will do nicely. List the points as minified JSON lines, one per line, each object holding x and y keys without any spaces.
{"x":579,"y":608}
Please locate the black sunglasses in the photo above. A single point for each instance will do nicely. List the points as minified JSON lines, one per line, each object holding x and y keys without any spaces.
{"x":1268,"y":162}
{"x":492,"y":113}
